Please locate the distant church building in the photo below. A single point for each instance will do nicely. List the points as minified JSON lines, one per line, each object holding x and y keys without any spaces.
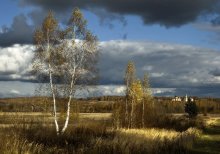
{"x":176,"y":99}
{"x":184,"y":99}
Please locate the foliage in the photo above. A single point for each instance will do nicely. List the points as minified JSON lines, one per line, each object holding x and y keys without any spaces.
{"x":146,"y":88}
{"x":136,"y":91}
{"x":129,"y":75}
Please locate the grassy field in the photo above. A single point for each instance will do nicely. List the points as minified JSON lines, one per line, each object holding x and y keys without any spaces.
{"x":8,"y":119}
{"x":90,"y":135}
{"x":34,"y":132}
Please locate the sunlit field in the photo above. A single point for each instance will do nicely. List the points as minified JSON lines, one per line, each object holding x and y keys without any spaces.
{"x":27,"y":133}
{"x":34,"y":132}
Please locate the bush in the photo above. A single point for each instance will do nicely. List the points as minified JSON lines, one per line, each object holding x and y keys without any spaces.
{"x":191,"y":108}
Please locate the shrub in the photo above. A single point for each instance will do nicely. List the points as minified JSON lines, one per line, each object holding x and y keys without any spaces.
{"x":191,"y":108}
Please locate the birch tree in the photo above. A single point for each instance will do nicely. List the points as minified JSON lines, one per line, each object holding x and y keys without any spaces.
{"x":66,"y":57}
{"x":136,"y":93}
{"x":80,"y":51}
{"x":147,"y":96}
{"x":45,"y":40}
{"x":129,"y":79}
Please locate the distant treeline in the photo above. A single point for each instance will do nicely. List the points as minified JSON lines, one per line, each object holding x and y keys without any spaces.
{"x":101,"y":104}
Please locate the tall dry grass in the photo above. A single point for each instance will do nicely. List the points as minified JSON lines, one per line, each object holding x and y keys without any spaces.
{"x":147,"y":141}
{"x":94,"y":138}
{"x":30,"y":139}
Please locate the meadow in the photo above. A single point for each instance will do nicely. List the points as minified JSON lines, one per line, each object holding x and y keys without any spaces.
{"x":25,"y":130}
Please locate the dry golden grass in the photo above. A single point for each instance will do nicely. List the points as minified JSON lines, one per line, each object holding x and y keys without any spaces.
{"x":210,"y":121}
{"x":18,"y":119}
{"x":95,"y":138}
{"x":34,"y":133}
{"x":148,"y":141}
{"x":95,"y":116}
{"x":33,"y":115}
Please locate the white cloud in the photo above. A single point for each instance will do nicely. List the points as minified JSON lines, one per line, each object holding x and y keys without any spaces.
{"x":168,"y":65}
{"x":159,"y":91}
{"x":16,"y":62}
{"x":13,"y":91}
{"x":157,"y":74}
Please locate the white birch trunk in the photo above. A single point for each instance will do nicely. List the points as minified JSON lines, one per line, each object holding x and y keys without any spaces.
{"x":54,"y":102}
{"x":76,"y":65}
{"x":70,"y":93}
{"x":67,"y":116}
{"x":52,"y":88}
{"x":68,"y":104}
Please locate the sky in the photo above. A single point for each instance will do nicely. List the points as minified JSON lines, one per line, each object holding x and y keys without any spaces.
{"x":175,"y":41}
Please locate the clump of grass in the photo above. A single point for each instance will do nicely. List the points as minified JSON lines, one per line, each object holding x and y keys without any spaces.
{"x":147,"y":141}
{"x":94,"y":137}
{"x":29,"y":138}
{"x":11,"y":142}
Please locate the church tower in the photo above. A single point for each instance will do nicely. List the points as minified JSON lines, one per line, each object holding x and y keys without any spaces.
{"x":186,"y":98}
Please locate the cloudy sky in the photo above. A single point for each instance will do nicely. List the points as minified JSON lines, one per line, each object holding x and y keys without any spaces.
{"x":175,"y":41}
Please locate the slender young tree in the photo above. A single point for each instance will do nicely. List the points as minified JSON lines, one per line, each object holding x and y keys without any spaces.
{"x":66,"y":57}
{"x":129,"y":79}
{"x":44,"y":39}
{"x":81,"y":54}
{"x":136,"y":93}
{"x":147,"y":96}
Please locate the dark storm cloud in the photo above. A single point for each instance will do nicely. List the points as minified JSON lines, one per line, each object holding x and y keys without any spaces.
{"x":164,"y":12}
{"x":199,"y":91}
{"x":19,"y":32}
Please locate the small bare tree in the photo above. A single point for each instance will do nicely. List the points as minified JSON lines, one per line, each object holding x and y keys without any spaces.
{"x":66,"y":58}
